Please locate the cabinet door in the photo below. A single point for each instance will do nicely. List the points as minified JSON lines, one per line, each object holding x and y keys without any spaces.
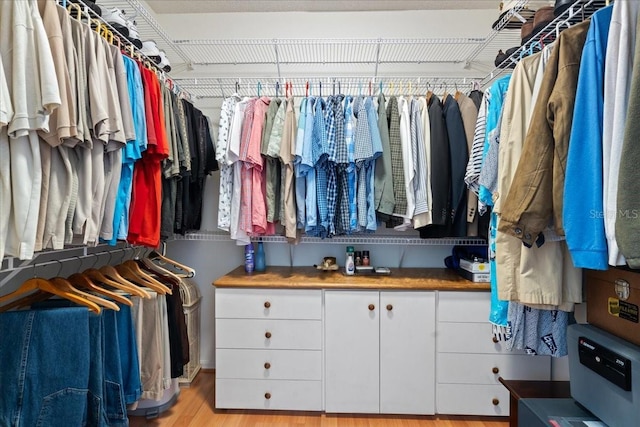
{"x":407,"y":352}
{"x":352,"y":348}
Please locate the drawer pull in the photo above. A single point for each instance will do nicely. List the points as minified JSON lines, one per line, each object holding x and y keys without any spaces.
{"x":267,"y":395}
{"x":495,"y":402}
{"x":372,"y":307}
{"x":267,"y":365}
{"x":495,"y":339}
{"x":389,"y":307}
{"x":267,"y":304}
{"x":267,"y":335}
{"x":495,"y":370}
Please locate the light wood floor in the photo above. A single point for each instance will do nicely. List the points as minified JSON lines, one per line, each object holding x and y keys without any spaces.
{"x":195,"y":408}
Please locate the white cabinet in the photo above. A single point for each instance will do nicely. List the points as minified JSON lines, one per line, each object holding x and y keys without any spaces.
{"x":379,"y":352}
{"x":470,"y":362}
{"x":352,"y":348}
{"x":269,"y":349}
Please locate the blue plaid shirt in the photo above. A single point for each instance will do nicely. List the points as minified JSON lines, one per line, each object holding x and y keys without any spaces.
{"x":319,"y":149}
{"x":332,"y":177}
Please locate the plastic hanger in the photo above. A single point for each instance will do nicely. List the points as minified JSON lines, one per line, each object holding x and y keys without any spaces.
{"x":380,"y":84}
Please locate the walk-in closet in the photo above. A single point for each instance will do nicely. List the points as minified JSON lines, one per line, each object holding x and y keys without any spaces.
{"x":312,"y":212}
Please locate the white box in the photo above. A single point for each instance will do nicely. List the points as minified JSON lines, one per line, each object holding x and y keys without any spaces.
{"x":474,"y":266}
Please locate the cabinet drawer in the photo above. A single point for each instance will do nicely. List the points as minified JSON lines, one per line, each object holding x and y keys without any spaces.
{"x":269,"y":364}
{"x":252,"y":394}
{"x":468,"y":399}
{"x":462,"y":368}
{"x":269,"y":304}
{"x":464,"y":306}
{"x":269,"y":334}
{"x":467,"y":338}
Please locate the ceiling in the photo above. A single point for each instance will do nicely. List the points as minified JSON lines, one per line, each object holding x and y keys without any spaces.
{"x":226,"y":6}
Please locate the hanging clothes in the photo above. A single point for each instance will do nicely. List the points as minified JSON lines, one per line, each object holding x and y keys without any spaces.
{"x":617,"y":87}
{"x":384,"y":197}
{"x":583,"y":193}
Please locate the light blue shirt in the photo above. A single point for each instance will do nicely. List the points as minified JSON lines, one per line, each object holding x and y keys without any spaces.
{"x":307,"y":169}
{"x":583,"y":213}
{"x":376,"y":144}
{"x":131,"y":152}
{"x":497,"y":93}
{"x":351,"y":169}
{"x":300,"y":179}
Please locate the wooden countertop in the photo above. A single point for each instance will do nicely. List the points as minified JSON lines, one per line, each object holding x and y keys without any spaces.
{"x":311,"y":278}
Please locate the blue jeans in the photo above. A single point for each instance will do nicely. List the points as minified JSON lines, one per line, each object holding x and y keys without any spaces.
{"x":106,"y":405}
{"x":44,"y":368}
{"x":129,"y":359}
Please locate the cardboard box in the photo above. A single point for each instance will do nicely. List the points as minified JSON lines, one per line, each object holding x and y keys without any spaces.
{"x":475,"y":277}
{"x":613,"y":298}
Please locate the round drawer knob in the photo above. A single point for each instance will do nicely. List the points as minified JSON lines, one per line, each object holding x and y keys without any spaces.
{"x":267,"y":335}
{"x":495,"y":339}
{"x":389,"y":307}
{"x":372,"y":307}
{"x":267,"y":365}
{"x":267,"y":304}
{"x":495,"y":370}
{"x":267,"y":396}
{"x":495,"y":402}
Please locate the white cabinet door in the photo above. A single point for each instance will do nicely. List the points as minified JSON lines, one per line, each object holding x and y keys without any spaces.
{"x":352,"y":351}
{"x":407,"y":352}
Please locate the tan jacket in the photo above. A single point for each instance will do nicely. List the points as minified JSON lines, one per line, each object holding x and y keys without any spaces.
{"x":541,"y":277}
{"x":535,"y":198}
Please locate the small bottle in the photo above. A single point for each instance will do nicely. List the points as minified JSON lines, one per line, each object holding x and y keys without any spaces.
{"x":365,"y":258}
{"x":358,"y":258}
{"x":248,"y":258}
{"x":261,"y":264}
{"x":349,"y":265}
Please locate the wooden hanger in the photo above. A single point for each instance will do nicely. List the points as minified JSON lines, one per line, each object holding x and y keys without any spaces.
{"x":150,"y":266}
{"x":82,"y":282}
{"x":65,"y":284}
{"x":154,"y":255}
{"x":126,"y":286}
{"x":50,"y":287}
{"x":131,"y":270}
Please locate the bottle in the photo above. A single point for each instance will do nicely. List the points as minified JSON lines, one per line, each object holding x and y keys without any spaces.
{"x":248,"y":258}
{"x":358,"y":258}
{"x":260,"y":262}
{"x":349,"y":265}
{"x":365,"y":258}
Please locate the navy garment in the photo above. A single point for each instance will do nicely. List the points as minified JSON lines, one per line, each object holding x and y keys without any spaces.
{"x":440,"y":173}
{"x":459,"y":157}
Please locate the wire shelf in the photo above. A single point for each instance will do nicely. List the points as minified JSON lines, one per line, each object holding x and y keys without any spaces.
{"x":373,"y":239}
{"x":576,"y":13}
{"x":321,"y":85}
